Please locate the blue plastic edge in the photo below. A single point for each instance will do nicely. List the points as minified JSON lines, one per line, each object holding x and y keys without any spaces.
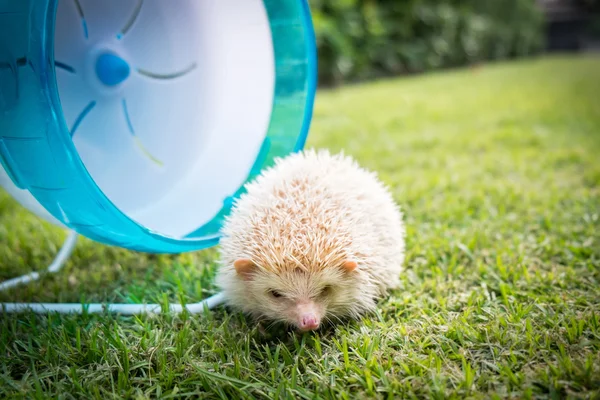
{"x":310,"y":93}
{"x":311,"y":46}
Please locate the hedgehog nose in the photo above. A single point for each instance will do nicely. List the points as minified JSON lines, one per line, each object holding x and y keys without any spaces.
{"x":309,"y":322}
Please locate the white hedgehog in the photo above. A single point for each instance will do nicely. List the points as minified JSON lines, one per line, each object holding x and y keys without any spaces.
{"x":314,"y":238}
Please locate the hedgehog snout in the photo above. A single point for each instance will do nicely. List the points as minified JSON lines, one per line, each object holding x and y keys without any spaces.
{"x":307,"y":316}
{"x":309,"y":322}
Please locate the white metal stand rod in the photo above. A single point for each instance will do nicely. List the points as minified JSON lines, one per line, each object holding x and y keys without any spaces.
{"x":62,"y":257}
{"x":68,"y":308}
{"x":124,"y":309}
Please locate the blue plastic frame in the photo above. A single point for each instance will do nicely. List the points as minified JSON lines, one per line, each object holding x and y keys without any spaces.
{"x":36,"y":148}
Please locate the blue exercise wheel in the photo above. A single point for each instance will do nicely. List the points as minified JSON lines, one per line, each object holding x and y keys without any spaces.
{"x":136,"y":123}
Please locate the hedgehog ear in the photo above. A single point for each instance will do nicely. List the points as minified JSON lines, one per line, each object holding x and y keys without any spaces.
{"x":350,"y":265}
{"x":244,"y":267}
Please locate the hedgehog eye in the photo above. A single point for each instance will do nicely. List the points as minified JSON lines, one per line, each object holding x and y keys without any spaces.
{"x":326,"y":290}
{"x":275,"y":293}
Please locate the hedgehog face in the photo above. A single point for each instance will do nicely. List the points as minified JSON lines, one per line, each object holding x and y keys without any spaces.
{"x":300,"y":297}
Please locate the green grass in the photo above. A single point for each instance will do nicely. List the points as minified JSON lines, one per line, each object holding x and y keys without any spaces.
{"x":498,"y":171}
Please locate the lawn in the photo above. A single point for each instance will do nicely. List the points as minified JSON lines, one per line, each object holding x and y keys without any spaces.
{"x":498,"y":171}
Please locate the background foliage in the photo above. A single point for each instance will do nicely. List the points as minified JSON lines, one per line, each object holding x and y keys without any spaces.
{"x":362,"y":39}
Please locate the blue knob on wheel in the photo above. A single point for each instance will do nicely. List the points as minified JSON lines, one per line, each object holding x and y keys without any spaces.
{"x":111,"y":69}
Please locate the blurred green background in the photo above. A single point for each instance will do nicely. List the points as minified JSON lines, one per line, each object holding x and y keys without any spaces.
{"x":365,"y":39}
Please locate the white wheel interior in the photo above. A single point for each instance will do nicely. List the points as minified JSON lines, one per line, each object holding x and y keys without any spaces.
{"x":173,"y":123}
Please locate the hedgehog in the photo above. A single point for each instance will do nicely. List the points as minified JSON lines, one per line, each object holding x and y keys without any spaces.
{"x":314,"y":238}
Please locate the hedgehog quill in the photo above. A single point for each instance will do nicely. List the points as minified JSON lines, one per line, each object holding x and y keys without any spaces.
{"x":314,"y":238}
